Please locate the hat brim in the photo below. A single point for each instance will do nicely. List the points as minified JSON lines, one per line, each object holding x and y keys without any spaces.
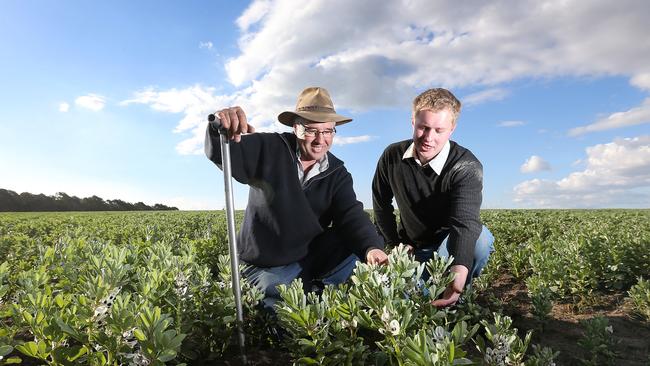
{"x":288,"y":117}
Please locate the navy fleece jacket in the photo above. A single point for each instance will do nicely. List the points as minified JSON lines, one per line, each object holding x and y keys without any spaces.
{"x":282,"y":216}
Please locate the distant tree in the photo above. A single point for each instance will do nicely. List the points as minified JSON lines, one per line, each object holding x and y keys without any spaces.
{"x":67,"y":203}
{"x":141,"y":206}
{"x":12,"y":201}
{"x":119,"y":205}
{"x":94,"y":203}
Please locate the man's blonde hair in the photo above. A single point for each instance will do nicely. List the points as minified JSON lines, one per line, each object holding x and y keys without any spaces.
{"x":435,"y":100}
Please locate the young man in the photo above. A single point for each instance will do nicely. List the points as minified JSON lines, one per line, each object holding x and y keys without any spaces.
{"x":303,"y":218}
{"x":437,"y":185}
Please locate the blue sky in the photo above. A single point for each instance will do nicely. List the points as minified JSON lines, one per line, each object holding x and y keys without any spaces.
{"x":110,"y":98}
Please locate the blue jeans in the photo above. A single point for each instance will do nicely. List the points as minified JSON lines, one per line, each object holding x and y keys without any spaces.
{"x":268,"y":278}
{"x":484,"y":246}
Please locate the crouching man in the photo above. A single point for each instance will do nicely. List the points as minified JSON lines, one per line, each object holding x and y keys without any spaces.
{"x":437,"y":185}
{"x":303,"y":219}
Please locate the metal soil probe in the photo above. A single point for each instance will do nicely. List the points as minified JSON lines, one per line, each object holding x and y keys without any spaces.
{"x":232,"y":238}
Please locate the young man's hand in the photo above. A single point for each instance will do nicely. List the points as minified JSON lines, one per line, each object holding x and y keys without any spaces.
{"x":376,"y":256}
{"x":454,"y":289}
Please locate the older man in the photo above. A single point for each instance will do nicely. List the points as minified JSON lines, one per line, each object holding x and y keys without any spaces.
{"x":437,"y":185}
{"x":303,"y":218}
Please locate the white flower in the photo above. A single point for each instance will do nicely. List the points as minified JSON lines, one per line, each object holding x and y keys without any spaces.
{"x":394,"y":327}
{"x":349,"y":324}
{"x":439,"y":334}
{"x":385,"y":315}
{"x":128,"y":334}
{"x":181,"y":291}
{"x":610,"y":329}
{"x":384,"y":280}
{"x":181,"y":284}
{"x":181,"y":280}
{"x":100,"y":312}
{"x":140,"y":360}
{"x":498,"y":355}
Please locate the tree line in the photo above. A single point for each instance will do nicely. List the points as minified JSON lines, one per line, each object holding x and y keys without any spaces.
{"x":12,"y":201}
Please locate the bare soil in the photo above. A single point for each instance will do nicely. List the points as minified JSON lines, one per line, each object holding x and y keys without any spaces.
{"x":562,"y":330}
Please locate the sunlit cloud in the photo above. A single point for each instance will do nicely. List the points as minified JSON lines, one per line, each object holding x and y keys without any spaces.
{"x":635,"y":116}
{"x":485,"y":96}
{"x":341,"y":140}
{"x":93,"y":102}
{"x":396,"y":50}
{"x":535,"y":164}
{"x":616,"y":173}
{"x":641,"y":81}
{"x":206,"y":45}
{"x":371,"y":56}
{"x":511,"y":123}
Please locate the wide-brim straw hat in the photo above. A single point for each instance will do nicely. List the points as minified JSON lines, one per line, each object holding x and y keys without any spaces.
{"x":314,"y":104}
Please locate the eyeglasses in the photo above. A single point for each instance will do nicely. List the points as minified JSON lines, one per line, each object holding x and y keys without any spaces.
{"x":313,"y":132}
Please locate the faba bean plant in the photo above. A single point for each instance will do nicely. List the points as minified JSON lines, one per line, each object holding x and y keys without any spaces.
{"x":384,"y":316}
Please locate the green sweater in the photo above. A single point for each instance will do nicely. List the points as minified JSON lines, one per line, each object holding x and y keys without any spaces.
{"x":431,"y":206}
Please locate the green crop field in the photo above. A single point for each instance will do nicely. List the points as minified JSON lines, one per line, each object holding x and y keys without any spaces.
{"x":149,"y":288}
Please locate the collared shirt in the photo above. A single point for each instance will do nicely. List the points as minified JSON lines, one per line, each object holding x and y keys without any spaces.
{"x":318,"y":167}
{"x":437,"y":163}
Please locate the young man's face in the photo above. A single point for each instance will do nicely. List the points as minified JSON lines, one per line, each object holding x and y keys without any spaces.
{"x":431,"y":131}
{"x":314,"y":147}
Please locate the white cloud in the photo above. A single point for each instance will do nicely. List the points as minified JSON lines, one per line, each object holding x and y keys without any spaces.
{"x":395,"y":50}
{"x":511,"y":123}
{"x":93,"y":102}
{"x":196,"y":103}
{"x":381,"y":56}
{"x":253,"y":14}
{"x":535,"y":164}
{"x":485,"y":96}
{"x":641,"y":81}
{"x":64,"y":107}
{"x":341,"y":140}
{"x":617,"y":174}
{"x":207,"y":45}
{"x":635,"y":116}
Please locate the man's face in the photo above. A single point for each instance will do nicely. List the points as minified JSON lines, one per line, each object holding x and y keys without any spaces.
{"x":431,"y":131}
{"x":314,"y":147}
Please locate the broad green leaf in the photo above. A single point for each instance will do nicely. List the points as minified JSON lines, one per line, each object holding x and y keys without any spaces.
{"x":29,"y":349}
{"x":139,"y":335}
{"x":59,"y":301}
{"x":176,"y":341}
{"x":307,"y":360}
{"x":13,"y":360}
{"x":66,"y":328}
{"x":5,"y":350}
{"x":167,"y":355}
{"x":69,"y":353}
{"x":28,"y":317}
